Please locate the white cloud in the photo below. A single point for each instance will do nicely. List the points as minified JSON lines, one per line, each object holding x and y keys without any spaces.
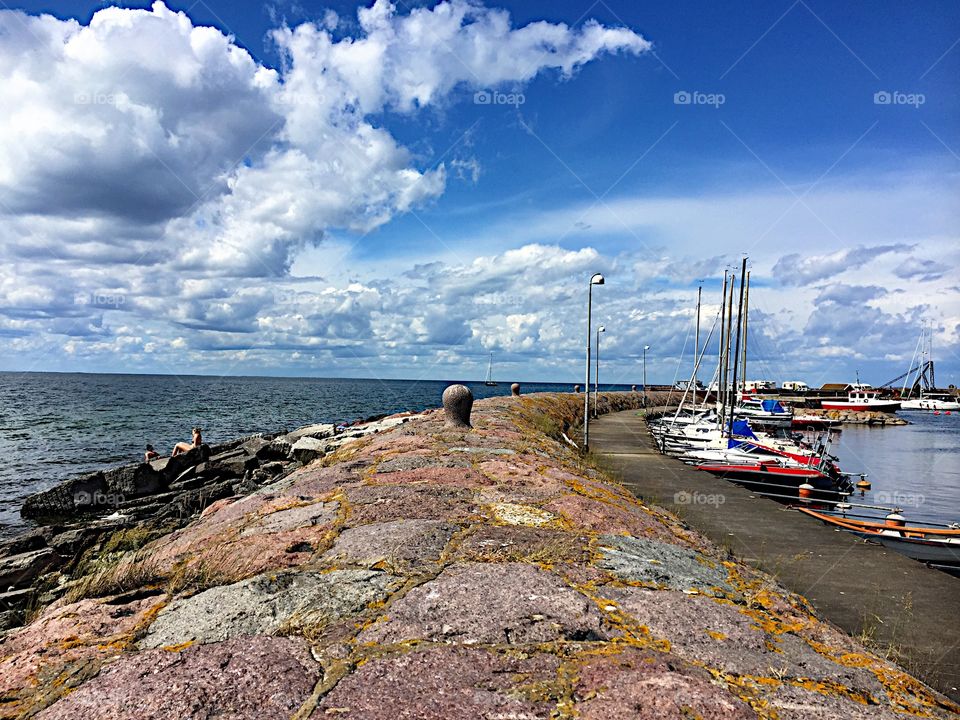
{"x":146,"y":154}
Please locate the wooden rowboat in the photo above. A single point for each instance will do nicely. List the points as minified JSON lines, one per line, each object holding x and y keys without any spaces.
{"x":889,"y":528}
{"x":938,"y":547}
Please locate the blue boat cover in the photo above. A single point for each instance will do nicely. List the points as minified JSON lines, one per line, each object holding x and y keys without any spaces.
{"x":741,"y":429}
{"x":773,"y":406}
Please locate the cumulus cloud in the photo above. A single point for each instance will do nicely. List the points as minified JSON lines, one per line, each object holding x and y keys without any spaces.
{"x":146,"y":158}
{"x":796,"y":269}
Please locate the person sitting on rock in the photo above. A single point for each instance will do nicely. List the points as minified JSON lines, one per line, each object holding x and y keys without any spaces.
{"x":150,"y":454}
{"x":182,"y":447}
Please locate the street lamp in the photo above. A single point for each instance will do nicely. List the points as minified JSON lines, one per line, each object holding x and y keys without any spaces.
{"x":595,"y":279}
{"x":596,"y":376}
{"x":645,"y":348}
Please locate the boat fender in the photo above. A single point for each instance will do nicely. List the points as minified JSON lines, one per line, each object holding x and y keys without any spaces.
{"x":895,"y":520}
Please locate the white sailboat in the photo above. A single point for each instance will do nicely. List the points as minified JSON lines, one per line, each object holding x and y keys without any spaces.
{"x":489,"y":381}
{"x":925,"y":400}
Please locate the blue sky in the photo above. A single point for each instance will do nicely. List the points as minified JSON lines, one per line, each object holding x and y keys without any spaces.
{"x":280,"y":225}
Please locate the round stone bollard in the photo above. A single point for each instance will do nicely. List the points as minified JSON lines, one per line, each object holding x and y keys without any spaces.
{"x":515,"y":389}
{"x":576,"y":388}
{"x":457,"y":403}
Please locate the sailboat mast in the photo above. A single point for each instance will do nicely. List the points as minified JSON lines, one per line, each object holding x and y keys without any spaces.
{"x":726,"y":357}
{"x":736,"y":347}
{"x":721,"y":348}
{"x":746,"y":314}
{"x":696,"y":349}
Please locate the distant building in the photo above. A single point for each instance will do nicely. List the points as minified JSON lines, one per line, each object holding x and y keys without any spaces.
{"x":796,"y":385}
{"x":757,"y":385}
{"x":845,"y":387}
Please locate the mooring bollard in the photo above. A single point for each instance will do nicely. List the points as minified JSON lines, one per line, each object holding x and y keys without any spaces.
{"x":576,"y":388}
{"x":457,"y":403}
{"x":515,"y":389}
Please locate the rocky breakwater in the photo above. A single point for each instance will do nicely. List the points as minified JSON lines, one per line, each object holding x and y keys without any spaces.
{"x":104,"y":513}
{"x":859,"y":417}
{"x":443,"y":570}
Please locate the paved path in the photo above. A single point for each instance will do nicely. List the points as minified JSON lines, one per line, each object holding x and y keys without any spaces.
{"x":861,"y":587}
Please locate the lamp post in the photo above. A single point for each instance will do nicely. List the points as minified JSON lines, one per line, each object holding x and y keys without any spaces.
{"x":645,"y":348}
{"x":595,"y":279}
{"x":596,"y":375}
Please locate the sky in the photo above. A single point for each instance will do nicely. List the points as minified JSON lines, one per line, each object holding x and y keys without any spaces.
{"x":399,"y":190}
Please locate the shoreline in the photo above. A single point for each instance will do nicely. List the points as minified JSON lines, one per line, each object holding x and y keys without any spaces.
{"x":417,"y":567}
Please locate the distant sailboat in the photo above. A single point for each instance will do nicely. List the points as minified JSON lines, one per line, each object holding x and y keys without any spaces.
{"x":489,"y":381}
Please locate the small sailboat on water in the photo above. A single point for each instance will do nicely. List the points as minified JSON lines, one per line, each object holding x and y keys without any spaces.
{"x":490,"y":381}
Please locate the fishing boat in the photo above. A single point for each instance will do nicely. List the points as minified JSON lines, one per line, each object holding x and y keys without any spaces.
{"x":938,"y":546}
{"x":490,"y":381}
{"x":860,"y":399}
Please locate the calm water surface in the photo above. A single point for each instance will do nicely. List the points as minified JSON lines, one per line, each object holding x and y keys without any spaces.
{"x":915,"y":467}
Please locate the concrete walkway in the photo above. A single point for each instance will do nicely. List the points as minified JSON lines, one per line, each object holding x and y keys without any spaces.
{"x":871,"y":592}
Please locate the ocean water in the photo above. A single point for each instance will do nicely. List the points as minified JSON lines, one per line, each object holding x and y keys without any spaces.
{"x":913,"y":467}
{"x":58,"y":425}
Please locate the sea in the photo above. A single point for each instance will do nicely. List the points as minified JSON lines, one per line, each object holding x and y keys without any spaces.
{"x":54,"y":426}
{"x":913,"y":468}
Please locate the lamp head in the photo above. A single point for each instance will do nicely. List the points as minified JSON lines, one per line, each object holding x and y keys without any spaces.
{"x":596,"y":279}
{"x":601,"y":329}
{"x":646,"y":347}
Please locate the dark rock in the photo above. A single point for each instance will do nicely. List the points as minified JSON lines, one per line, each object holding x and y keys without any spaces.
{"x":273,"y":468}
{"x":224,"y":456}
{"x":10,"y":619}
{"x":75,"y":541}
{"x":234,"y":466}
{"x":108,"y":490}
{"x":173,"y":466}
{"x":22,"y":570}
{"x":62,"y":499}
{"x":17,"y":599}
{"x":25,"y":542}
{"x":254,"y":445}
{"x":134,"y":480}
{"x":192,"y":483}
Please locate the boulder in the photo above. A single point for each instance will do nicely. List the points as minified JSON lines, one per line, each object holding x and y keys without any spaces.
{"x":318,"y":431}
{"x":308,"y":449}
{"x":30,"y":540}
{"x":21,"y":570}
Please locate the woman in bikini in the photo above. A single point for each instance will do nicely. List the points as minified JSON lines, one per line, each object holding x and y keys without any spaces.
{"x":182,"y":447}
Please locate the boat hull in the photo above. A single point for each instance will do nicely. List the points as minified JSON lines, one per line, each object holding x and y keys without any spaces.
{"x":861,"y":406}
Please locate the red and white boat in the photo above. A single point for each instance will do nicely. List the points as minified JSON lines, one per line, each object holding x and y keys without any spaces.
{"x":861,"y":399}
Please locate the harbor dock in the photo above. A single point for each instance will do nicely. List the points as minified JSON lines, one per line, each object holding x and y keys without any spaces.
{"x":885,"y":599}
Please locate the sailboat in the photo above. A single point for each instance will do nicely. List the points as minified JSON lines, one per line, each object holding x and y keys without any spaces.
{"x":490,"y":381}
{"x":925,"y":400}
